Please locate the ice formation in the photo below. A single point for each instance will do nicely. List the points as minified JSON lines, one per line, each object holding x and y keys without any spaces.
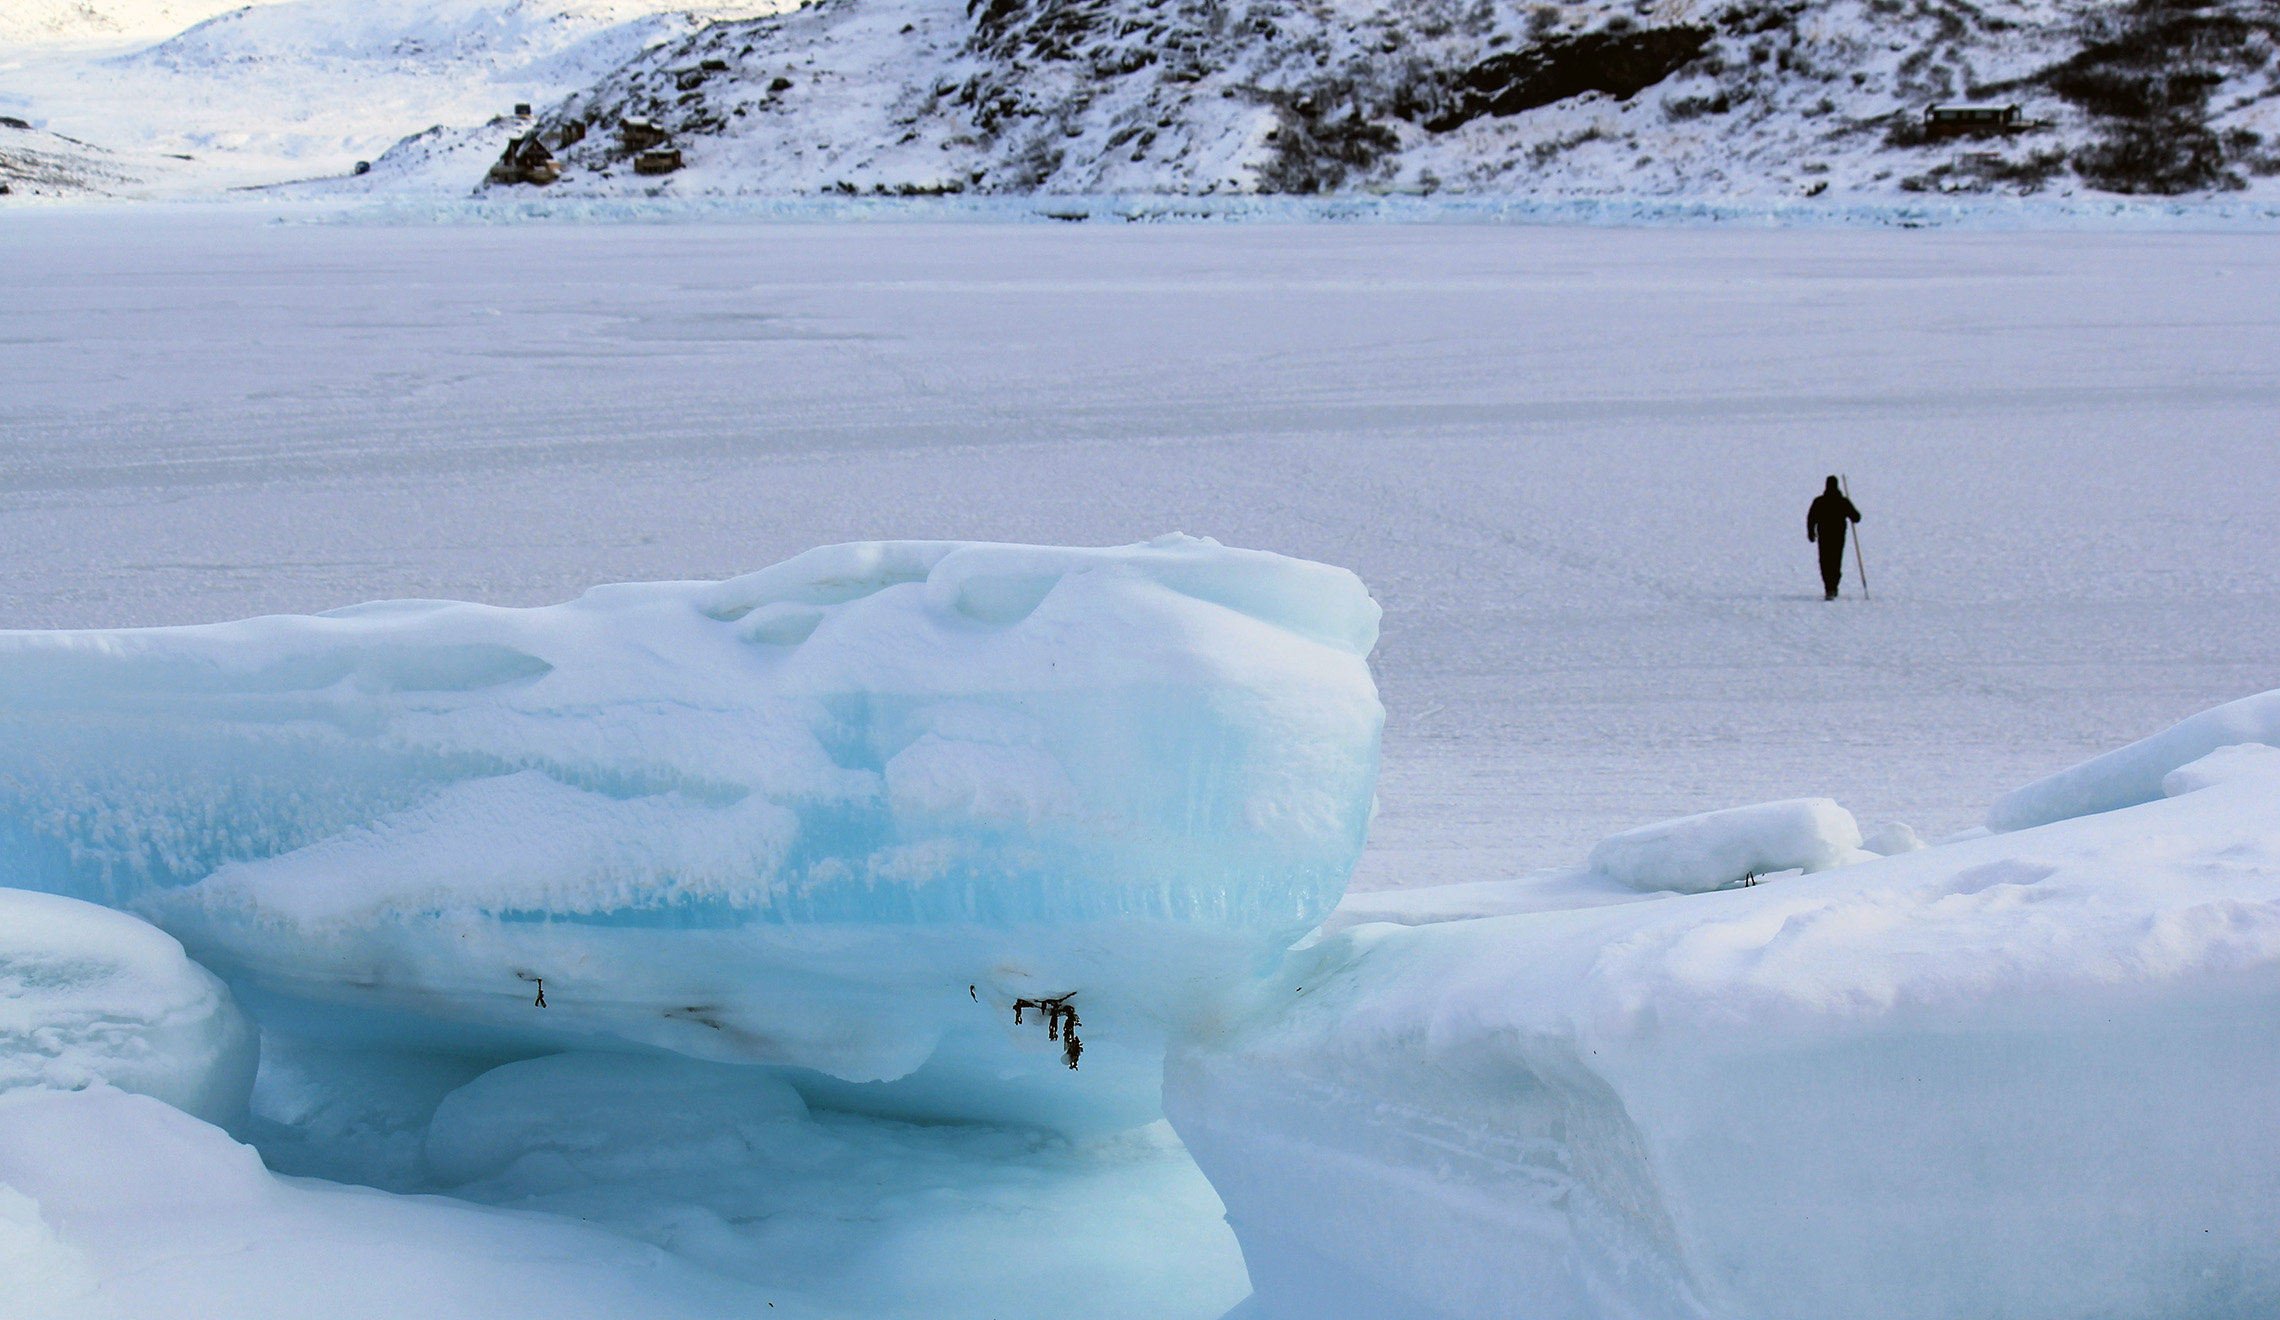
{"x":2129,"y":775}
{"x":723,"y":1165}
{"x":90,"y":997}
{"x":1717,"y":848}
{"x":582,"y":1109}
{"x":2026,"y":1074}
{"x":839,"y":814}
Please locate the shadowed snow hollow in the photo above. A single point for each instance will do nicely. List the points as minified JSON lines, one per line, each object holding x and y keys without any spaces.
{"x":840,"y":814}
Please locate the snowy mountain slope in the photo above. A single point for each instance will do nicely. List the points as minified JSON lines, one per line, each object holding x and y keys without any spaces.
{"x":1745,"y":97}
{"x":280,"y":91}
{"x":36,"y":163}
{"x":29,"y":22}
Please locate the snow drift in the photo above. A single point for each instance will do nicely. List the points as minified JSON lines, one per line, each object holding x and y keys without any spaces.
{"x":91,"y":997}
{"x":1717,"y":848}
{"x":116,"y":1207}
{"x":2021,"y":1075}
{"x":841,"y":814}
{"x":2130,"y":775}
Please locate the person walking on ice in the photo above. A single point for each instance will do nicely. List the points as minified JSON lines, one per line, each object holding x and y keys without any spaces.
{"x":1825,"y":524}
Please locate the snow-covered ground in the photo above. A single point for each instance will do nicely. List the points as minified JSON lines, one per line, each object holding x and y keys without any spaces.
{"x":1570,"y":464}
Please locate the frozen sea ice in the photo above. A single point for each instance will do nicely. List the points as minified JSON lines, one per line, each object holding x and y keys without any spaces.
{"x":836,"y":815}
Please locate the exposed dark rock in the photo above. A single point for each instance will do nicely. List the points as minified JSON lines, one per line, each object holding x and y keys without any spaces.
{"x":1621,"y":64}
{"x":1317,"y":152}
{"x":2148,"y":78}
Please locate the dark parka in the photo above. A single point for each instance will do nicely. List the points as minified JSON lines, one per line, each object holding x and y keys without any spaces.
{"x":1826,"y":524}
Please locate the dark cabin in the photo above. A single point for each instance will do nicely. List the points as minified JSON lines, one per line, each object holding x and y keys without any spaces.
{"x":1941,"y":121}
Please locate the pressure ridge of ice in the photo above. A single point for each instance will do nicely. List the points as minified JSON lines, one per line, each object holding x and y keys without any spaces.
{"x":2023,"y":1074}
{"x":838,"y":814}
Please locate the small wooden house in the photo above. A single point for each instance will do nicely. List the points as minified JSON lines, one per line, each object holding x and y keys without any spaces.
{"x":1967,"y":120}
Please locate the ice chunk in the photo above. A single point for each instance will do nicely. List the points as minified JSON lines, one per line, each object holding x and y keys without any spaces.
{"x":840,"y":814}
{"x":171,"y":1220}
{"x":2025,"y":1075}
{"x":593,"y":1109}
{"x":2246,"y":761}
{"x":2129,"y":775}
{"x":1697,"y":853}
{"x":1890,"y":839}
{"x":91,"y":996}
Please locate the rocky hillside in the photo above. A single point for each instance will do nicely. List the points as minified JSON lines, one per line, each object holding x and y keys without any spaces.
{"x":37,"y":163}
{"x":1588,"y":97}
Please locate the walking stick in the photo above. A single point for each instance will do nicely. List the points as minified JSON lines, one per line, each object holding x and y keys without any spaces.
{"x":1858,"y":562}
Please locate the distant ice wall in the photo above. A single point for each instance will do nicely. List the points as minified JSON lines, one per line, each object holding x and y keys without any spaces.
{"x":838,"y":814}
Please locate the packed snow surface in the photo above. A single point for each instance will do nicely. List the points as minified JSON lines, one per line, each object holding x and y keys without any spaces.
{"x":841,"y":814}
{"x":2024,"y":1074}
{"x":117,"y":1207}
{"x":92,"y":997}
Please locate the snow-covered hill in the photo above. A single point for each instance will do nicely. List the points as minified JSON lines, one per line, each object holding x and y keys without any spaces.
{"x":1739,"y":99}
{"x":29,"y":22}
{"x":271,"y":92}
{"x":1719,"y":97}
{"x":36,"y":163}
